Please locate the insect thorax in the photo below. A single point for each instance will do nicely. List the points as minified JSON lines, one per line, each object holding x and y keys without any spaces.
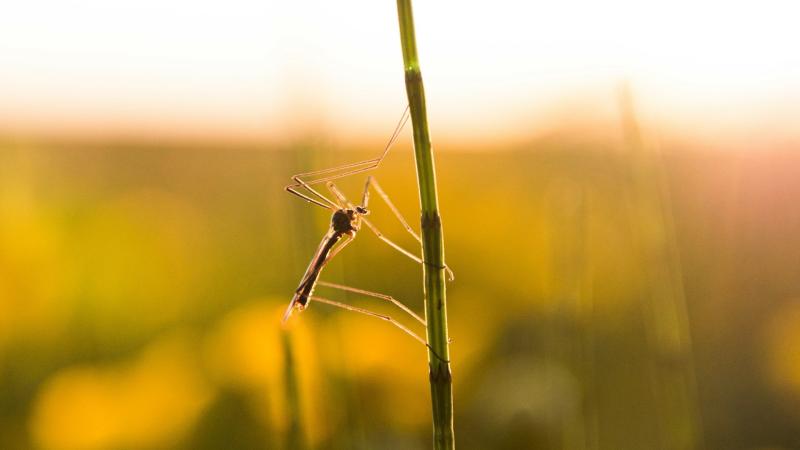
{"x":344,"y":221}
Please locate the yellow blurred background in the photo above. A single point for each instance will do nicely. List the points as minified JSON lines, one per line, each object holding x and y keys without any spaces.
{"x":619,"y":187}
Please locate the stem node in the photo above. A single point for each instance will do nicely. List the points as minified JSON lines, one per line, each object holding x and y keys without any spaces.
{"x":433,"y":271}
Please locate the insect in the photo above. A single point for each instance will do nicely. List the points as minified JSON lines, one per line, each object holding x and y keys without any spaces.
{"x":346,"y":221}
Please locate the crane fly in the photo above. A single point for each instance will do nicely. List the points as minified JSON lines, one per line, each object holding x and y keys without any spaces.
{"x":346,"y":221}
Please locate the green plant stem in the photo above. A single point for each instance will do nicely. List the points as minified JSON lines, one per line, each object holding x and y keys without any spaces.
{"x":432,"y":240}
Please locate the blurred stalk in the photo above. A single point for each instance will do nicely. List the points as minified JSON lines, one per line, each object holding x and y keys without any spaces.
{"x":432,"y":240}
{"x":570,"y":328}
{"x":667,"y":320}
{"x":294,"y":434}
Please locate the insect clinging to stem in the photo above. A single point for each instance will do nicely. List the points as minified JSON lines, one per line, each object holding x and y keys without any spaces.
{"x":346,"y":221}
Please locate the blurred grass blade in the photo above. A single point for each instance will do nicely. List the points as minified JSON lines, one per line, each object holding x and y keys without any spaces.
{"x":294,"y":433}
{"x":667,"y":323}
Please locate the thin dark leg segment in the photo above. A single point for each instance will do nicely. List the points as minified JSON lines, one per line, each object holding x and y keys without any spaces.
{"x":373,"y":182}
{"x":374,"y":314}
{"x":376,"y":295}
{"x":349,"y":169}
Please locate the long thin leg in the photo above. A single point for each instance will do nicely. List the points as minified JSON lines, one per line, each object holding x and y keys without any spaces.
{"x":369,"y":313}
{"x":292,"y":190}
{"x":300,"y":183}
{"x":365,"y":195}
{"x":367,"y":162}
{"x":353,"y":168}
{"x":372,"y":181}
{"x":341,"y":197}
{"x":376,"y":295}
{"x":338,"y":194}
{"x":379,"y":316}
{"x":416,"y":258}
{"x":389,"y":241}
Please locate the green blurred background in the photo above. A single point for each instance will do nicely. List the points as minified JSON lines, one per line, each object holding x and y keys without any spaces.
{"x":608,"y":295}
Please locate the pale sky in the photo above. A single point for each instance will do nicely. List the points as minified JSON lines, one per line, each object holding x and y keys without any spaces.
{"x":271,"y":69}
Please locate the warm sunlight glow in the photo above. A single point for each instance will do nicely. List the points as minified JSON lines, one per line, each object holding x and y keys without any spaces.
{"x":258,"y":69}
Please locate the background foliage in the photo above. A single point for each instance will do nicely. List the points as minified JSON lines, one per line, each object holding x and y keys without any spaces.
{"x":607,"y":296}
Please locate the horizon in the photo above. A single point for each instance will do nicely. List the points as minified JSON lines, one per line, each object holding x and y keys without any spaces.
{"x":255,"y":73}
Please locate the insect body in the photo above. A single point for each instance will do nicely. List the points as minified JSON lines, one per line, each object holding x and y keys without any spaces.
{"x":344,"y":224}
{"x":346,"y":221}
